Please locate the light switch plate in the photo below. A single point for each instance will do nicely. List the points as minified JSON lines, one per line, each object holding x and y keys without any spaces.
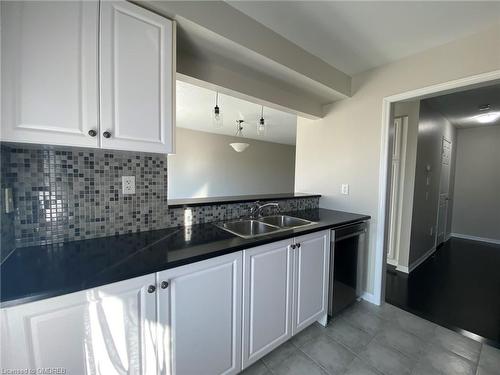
{"x":128,"y":185}
{"x":345,"y":189}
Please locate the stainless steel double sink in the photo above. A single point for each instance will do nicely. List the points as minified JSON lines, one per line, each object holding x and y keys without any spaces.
{"x":250,"y":228}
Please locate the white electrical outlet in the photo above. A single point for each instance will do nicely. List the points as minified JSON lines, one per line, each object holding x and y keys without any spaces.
{"x":128,"y":184}
{"x":344,"y":189}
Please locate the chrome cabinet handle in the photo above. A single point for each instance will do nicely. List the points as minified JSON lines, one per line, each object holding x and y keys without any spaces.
{"x":151,"y":289}
{"x":92,"y":133}
{"x":106,"y":134}
{"x":164,"y":284}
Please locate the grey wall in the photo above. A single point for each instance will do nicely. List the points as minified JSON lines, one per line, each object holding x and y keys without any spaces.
{"x":205,"y":165}
{"x":476,"y":201}
{"x":432,"y":128}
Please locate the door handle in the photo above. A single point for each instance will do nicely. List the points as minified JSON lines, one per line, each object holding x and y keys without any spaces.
{"x":164,"y":285}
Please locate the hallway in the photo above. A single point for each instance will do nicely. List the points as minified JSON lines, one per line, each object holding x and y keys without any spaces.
{"x":458,"y":287}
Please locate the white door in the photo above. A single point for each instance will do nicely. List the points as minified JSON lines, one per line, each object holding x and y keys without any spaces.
{"x":106,"y":330}
{"x":49,"y":72}
{"x":444,"y":191}
{"x":267,"y":299}
{"x":312,"y":257}
{"x":137,"y":63}
{"x":200,"y":317}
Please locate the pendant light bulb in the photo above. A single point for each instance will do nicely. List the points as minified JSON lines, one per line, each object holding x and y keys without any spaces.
{"x":261,"y":127}
{"x":217,"y":118}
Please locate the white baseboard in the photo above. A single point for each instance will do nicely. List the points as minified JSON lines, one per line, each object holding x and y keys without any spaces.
{"x":475,"y":238}
{"x":401,"y":268}
{"x":392,"y":262}
{"x":422,"y":259}
{"x":370,"y":297}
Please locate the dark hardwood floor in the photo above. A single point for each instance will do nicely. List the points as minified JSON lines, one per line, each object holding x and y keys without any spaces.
{"x":458,"y":287}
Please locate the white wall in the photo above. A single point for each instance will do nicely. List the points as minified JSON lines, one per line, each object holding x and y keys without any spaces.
{"x":476,"y":201}
{"x":432,"y":127}
{"x":206,"y":166}
{"x":344,"y":146}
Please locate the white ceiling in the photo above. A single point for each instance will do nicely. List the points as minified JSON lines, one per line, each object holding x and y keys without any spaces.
{"x":460,"y":108}
{"x":196,"y":104}
{"x":359,"y":35}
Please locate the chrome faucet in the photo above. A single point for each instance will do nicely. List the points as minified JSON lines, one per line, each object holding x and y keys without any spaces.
{"x":256,"y":210}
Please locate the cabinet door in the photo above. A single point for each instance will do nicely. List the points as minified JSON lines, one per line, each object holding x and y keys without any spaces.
{"x":200,"y":317}
{"x":137,"y":78}
{"x":311,"y":279}
{"x":49,"y":72}
{"x":106,"y":330}
{"x":267,"y":299}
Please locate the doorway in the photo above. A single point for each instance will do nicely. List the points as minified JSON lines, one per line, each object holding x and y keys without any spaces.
{"x":453,"y":252}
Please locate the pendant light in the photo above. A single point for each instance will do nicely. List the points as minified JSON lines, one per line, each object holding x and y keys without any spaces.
{"x":217,"y":120}
{"x":261,"y":127}
{"x":239,"y":146}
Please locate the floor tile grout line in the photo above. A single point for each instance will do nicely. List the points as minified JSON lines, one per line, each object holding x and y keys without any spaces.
{"x":345,"y":347}
{"x":311,"y":358}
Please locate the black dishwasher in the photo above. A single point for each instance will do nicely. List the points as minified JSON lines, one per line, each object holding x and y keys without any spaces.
{"x":346,"y":262}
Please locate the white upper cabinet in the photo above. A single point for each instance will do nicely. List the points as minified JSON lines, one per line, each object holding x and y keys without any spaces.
{"x":137,"y":79}
{"x":312,"y":255}
{"x":56,"y":56}
{"x":106,"y":330}
{"x":49,"y":72}
{"x":200,"y":317}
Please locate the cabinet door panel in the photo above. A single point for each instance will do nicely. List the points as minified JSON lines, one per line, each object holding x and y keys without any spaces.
{"x":311,"y":278}
{"x":108,"y":330}
{"x":267,"y":299}
{"x":49,"y":72}
{"x":137,"y":85}
{"x":200,"y":315}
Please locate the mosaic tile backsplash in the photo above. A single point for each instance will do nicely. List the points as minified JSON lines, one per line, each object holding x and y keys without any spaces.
{"x":65,"y":194}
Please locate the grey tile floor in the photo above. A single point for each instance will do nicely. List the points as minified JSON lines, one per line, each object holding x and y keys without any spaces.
{"x":385,"y":340}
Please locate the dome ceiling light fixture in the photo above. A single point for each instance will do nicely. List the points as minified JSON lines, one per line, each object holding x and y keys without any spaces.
{"x":239,"y":146}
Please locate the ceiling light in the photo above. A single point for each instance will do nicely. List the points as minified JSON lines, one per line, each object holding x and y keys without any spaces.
{"x":486,"y":118}
{"x":239,"y":147}
{"x":216,"y":114}
{"x":261,"y":127}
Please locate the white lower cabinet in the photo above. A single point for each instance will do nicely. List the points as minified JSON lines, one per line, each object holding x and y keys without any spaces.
{"x":214,"y":317}
{"x":105,"y":330}
{"x":312,"y":260}
{"x":267,"y":299}
{"x":285,"y":289}
{"x":200,"y":317}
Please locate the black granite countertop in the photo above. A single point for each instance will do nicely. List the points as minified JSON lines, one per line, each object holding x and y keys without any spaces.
{"x":193,"y":202}
{"x":38,"y":272}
